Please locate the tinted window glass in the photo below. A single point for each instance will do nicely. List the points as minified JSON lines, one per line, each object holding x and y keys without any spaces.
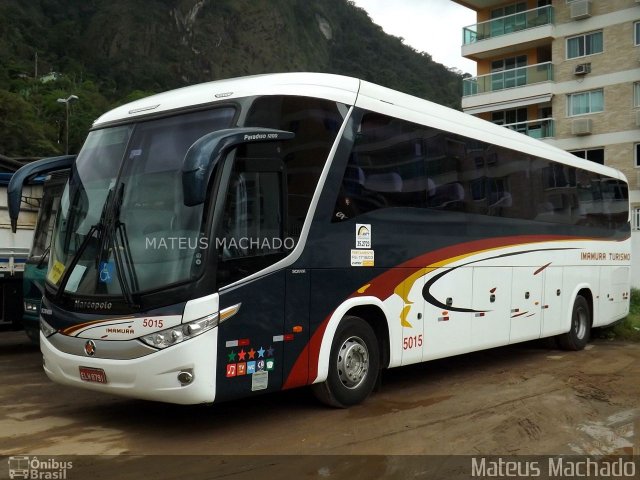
{"x":400,"y":164}
{"x":272,"y":184}
{"x":386,"y":168}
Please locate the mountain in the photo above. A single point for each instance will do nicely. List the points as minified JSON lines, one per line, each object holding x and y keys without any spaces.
{"x":108,"y":53}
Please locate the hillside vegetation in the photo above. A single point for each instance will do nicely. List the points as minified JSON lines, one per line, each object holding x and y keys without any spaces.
{"x":108,"y":53}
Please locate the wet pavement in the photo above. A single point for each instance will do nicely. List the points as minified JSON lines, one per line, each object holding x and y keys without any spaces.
{"x":523,"y":399}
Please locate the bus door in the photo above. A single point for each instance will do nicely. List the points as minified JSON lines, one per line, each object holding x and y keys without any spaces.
{"x":250,"y":342}
{"x":296,"y":328}
{"x":252,"y":237}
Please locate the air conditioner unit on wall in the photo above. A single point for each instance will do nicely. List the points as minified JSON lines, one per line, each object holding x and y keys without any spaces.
{"x":581,"y":126}
{"x":582,"y":69}
{"x":580,"y":9}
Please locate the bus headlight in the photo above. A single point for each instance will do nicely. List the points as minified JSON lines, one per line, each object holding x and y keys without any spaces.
{"x":180,"y":333}
{"x":46,"y":329}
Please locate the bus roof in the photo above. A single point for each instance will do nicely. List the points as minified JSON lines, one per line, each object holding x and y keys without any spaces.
{"x":351,"y":91}
{"x":332,"y":87}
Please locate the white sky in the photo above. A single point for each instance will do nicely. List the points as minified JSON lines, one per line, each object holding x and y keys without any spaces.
{"x":432,"y":26}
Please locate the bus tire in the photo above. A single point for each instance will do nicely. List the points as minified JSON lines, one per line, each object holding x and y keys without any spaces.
{"x":354,"y":364}
{"x":33,"y":334}
{"x":578,"y":335}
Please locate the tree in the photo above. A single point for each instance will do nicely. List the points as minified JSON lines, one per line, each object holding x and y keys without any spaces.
{"x":21,"y":133}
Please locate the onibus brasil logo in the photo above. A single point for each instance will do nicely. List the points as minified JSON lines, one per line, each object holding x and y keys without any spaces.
{"x":34,"y":468}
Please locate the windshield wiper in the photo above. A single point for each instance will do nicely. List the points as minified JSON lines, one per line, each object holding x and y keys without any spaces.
{"x":121,"y":239}
{"x":43,"y":256}
{"x":74,"y":261}
{"x":98,"y":227}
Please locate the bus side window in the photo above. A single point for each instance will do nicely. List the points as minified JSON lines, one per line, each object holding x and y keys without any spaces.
{"x":386,"y":168}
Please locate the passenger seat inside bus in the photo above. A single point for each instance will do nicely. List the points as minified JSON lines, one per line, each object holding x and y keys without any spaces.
{"x":448,"y":196}
{"x":384,"y":182}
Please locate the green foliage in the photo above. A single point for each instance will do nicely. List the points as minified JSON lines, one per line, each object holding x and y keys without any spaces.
{"x":21,"y":132}
{"x":110,"y":53}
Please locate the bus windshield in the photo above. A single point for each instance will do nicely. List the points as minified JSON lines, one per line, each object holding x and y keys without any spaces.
{"x":125,"y":193}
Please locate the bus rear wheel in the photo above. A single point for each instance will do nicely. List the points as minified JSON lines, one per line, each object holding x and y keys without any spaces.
{"x":578,"y":335}
{"x":354,"y":364}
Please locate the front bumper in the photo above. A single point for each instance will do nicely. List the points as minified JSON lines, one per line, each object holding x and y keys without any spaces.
{"x":151,"y":377}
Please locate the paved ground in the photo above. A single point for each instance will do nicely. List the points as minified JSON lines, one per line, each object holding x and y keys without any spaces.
{"x":524,"y":399}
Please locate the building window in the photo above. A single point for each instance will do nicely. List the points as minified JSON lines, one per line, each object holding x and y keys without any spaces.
{"x":635,"y":219}
{"x":586,"y":102}
{"x":636,"y":94}
{"x":508,"y":10}
{"x":636,"y":149}
{"x":593,"y":154}
{"x":507,"y":117}
{"x":508,"y":72}
{"x":583,"y":45}
{"x":504,"y":19}
{"x":636,"y":33}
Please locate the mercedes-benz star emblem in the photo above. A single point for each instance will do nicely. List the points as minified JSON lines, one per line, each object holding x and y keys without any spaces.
{"x":90,"y":348}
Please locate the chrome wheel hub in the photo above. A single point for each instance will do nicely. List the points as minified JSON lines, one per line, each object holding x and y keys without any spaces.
{"x":353,"y":362}
{"x":580,"y":323}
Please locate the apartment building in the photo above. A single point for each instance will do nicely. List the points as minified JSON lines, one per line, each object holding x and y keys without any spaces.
{"x":563,"y":71}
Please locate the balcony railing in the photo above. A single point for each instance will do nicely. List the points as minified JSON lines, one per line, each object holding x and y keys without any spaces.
{"x":515,"y":77}
{"x":543,"y":128}
{"x":508,"y":24}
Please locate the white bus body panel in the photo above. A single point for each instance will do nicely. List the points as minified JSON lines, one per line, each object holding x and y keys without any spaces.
{"x":552,"y":315}
{"x":449,"y":332}
{"x":495,"y":286}
{"x":527,"y":307}
{"x":152,"y":377}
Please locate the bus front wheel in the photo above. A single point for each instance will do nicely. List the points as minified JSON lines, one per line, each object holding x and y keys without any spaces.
{"x":578,"y":335}
{"x":354,"y":363}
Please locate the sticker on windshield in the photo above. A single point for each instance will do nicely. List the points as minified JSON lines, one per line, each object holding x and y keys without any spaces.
{"x":74,"y":279}
{"x":56,"y":272}
{"x":107,"y":270}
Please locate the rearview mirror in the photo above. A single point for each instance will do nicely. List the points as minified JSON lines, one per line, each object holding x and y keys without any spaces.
{"x":206,"y":152}
{"x":27,"y":172}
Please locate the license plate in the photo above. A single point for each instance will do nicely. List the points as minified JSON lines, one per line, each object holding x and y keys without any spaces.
{"x":94,"y":375}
